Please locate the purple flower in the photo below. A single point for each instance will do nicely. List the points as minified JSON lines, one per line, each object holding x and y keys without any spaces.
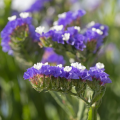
{"x":71,"y":36}
{"x":98,"y":73}
{"x":44,"y":76}
{"x":100,"y":29}
{"x":75,"y":71}
{"x":95,"y":34}
{"x":12,"y":26}
{"x":51,"y":57}
{"x":68,"y":17}
{"x":57,"y":71}
{"x":29,"y":74}
{"x":38,"y":5}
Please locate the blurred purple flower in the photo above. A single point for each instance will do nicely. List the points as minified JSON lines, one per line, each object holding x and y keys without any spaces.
{"x":37,"y":6}
{"x":11,"y":27}
{"x":51,"y":57}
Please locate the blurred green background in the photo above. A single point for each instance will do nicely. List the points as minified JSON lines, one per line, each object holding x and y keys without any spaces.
{"x":19,"y":101}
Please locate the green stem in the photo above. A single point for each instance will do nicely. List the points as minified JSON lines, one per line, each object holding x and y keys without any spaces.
{"x":81,"y":109}
{"x":92,"y":114}
{"x":66,"y":108}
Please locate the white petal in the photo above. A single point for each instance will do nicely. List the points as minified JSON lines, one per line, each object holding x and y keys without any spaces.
{"x":63,"y":15}
{"x":60,"y":65}
{"x":12,"y":18}
{"x":38,"y":66}
{"x":77,"y":28}
{"x":67,"y":69}
{"x":102,"y":27}
{"x":66,"y":36}
{"x":99,"y":31}
{"x":40,"y":29}
{"x":99,"y":65}
{"x":24,"y":14}
{"x":57,"y":27}
{"x":91,"y":24}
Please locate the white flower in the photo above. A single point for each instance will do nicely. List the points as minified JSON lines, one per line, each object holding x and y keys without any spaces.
{"x":57,"y":27}
{"x":66,"y":36}
{"x":60,"y":65}
{"x":77,"y":28}
{"x":102,"y":27}
{"x":91,"y":24}
{"x":94,"y":29}
{"x":99,"y":31}
{"x":78,"y":66}
{"x":46,"y":63}
{"x":99,"y":65}
{"x":55,"y":23}
{"x":63,"y":15}
{"x":38,"y":66}
{"x":24,"y":14}
{"x":75,"y":64}
{"x":40,"y":29}
{"x":12,"y":18}
{"x":67,"y":69}
{"x":81,"y":67}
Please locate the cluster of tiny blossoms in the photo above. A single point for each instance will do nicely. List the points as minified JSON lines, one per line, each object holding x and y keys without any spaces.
{"x":70,"y":36}
{"x":12,"y":26}
{"x":69,"y":17}
{"x":96,"y":32}
{"x":91,"y":37}
{"x":73,"y":72}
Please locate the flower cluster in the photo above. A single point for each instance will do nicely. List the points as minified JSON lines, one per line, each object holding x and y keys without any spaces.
{"x":100,"y":29}
{"x":95,"y":34}
{"x":17,"y":26}
{"x":67,"y":18}
{"x":91,"y":37}
{"x":71,"y":36}
{"x":73,"y":72}
{"x":98,"y":73}
{"x":37,"y":5}
{"x":51,"y":57}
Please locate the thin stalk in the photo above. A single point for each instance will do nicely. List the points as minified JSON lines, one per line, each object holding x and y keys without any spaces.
{"x":81,"y":109}
{"x":92,"y":114}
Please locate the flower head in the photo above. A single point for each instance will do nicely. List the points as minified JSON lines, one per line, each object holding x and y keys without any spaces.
{"x":75,"y":71}
{"x":57,"y":27}
{"x":66,"y":36}
{"x":99,"y":65}
{"x":16,"y":24}
{"x":78,"y":66}
{"x":69,"y":17}
{"x":38,"y":66}
{"x":67,"y":69}
{"x":12,"y":18}
{"x":40,"y":29}
{"x":69,"y":36}
{"x":95,"y":35}
{"x":97,"y":30}
{"x":77,"y":28}
{"x":24,"y":14}
{"x":97,"y":73}
{"x":60,"y":65}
